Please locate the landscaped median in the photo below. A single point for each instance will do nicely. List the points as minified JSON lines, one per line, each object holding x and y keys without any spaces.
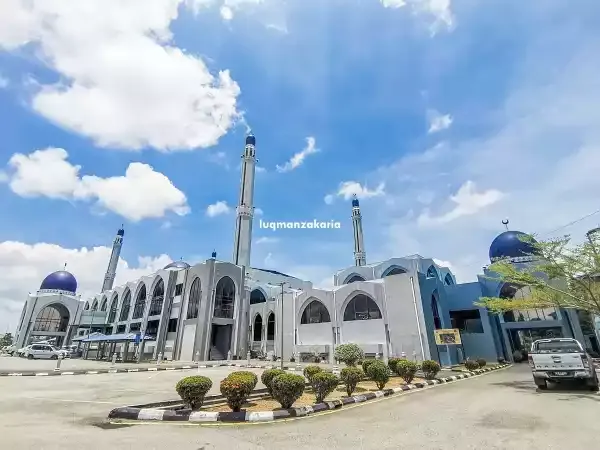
{"x":266,"y":405}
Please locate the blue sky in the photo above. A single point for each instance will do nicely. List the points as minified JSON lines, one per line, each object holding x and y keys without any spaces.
{"x":443,"y":116}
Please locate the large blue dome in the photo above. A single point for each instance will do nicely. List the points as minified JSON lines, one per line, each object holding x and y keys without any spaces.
{"x":250,"y":139}
{"x":177,"y":265}
{"x":510,"y":245}
{"x":60,"y":281}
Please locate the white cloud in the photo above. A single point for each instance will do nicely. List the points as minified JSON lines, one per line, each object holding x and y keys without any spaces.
{"x":226,"y":12}
{"x":260,"y":169}
{"x":440,"y":10}
{"x":266,"y":240}
{"x":467,"y":202}
{"x":141,"y":193}
{"x":298,"y":159}
{"x":24,"y":266}
{"x":3,"y":82}
{"x":123,"y":82}
{"x":258,"y":212}
{"x":217,"y":209}
{"x":438,"y":122}
{"x":349,"y":189}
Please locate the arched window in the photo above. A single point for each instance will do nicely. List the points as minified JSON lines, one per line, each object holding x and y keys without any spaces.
{"x":103,"y":305}
{"x":448,"y":280}
{"x":194,"y":300}
{"x":315,"y":312}
{"x":158,"y":297}
{"x":224,"y":298}
{"x":126,"y":306}
{"x":87,"y":306}
{"x":354,"y":278}
{"x":256,"y":296}
{"x":361,"y":307}
{"x":271,"y":327}
{"x":95,"y":305}
{"x":257,"y":329}
{"x":112,"y":315}
{"x":393,"y":270}
{"x":140,"y":303}
{"x":437,"y":321}
{"x":52,"y":319}
{"x":431,"y":272}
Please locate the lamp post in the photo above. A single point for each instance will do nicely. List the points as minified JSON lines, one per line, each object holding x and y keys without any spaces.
{"x":281,"y":322}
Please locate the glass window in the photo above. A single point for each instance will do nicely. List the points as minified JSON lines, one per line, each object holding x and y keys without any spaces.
{"x":467,"y":321}
{"x":362,"y":307}
{"x":194,"y":300}
{"x":179,"y":289}
{"x":315,"y":312}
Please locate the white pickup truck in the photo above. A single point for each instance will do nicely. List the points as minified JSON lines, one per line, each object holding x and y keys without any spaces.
{"x":558,"y":360}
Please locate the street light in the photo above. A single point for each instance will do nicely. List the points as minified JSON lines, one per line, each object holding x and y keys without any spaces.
{"x":281,"y":322}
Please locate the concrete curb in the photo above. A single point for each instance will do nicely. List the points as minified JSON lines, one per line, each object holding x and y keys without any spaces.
{"x":151,"y":414}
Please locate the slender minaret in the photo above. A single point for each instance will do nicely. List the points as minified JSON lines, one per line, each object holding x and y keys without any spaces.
{"x":245,"y":210}
{"x":109,"y":278}
{"x":360,"y":257}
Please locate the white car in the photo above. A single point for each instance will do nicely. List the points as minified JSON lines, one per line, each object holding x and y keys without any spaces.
{"x":21,"y":351}
{"x":44,"y":351}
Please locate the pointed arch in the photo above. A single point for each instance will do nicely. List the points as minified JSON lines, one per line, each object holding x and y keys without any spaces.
{"x":432,"y":272}
{"x":112,"y":314}
{"x":95,"y":305}
{"x":361,"y":307}
{"x":140,"y":303}
{"x":194,"y":300}
{"x":257,"y":328}
{"x":271,"y":326}
{"x":352,"y":278}
{"x":448,"y":280}
{"x":53,"y":318}
{"x":393,"y":270}
{"x":225,"y":298}
{"x":104,"y":304}
{"x":257,"y":296}
{"x":315,"y":312}
{"x":435,"y":311}
{"x":125,"y":306}
{"x":158,"y":297}
{"x":87,"y":306}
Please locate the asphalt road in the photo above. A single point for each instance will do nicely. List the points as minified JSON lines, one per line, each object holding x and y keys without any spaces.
{"x":500,"y":410}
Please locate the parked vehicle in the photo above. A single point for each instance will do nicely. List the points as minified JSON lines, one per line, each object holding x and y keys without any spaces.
{"x":21,"y":352}
{"x":44,"y":351}
{"x":559,"y":360}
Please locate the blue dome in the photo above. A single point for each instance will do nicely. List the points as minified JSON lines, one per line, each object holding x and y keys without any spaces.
{"x":510,"y":245}
{"x":121,"y":232}
{"x":177,"y":265}
{"x":250,"y":139}
{"x":60,"y":281}
{"x":355,"y":202}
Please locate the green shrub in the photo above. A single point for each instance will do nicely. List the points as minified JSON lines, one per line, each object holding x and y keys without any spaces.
{"x":482,"y":362}
{"x":392,"y":363}
{"x":323,"y":384}
{"x":237,"y":387}
{"x":366,"y":363}
{"x":349,"y":354}
{"x":310,"y":371}
{"x":406,"y":370}
{"x":430,"y":369}
{"x":268,"y":376}
{"x":471,"y":364}
{"x":379,"y":373}
{"x":287,"y":388}
{"x":518,"y":356}
{"x":351,"y":376}
{"x":192,"y":390}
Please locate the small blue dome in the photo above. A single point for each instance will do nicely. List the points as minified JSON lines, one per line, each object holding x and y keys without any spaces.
{"x":250,"y":139}
{"x":355,"y":203}
{"x":510,"y":245}
{"x":214,"y":255}
{"x":177,"y":265}
{"x":121,"y":232}
{"x":60,"y":281}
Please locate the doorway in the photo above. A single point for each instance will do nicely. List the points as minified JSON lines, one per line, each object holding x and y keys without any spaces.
{"x":220,"y":342}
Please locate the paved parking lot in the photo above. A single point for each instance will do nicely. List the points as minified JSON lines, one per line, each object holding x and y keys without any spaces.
{"x":499,"y":410}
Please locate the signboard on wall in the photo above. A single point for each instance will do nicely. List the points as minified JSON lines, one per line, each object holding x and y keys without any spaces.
{"x":447,"y":336}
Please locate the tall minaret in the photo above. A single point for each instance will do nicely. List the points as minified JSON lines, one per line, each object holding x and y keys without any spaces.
{"x":109,"y":278}
{"x":245,"y":210}
{"x":360,"y":257}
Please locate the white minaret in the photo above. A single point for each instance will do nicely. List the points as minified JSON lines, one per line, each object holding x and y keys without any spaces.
{"x":360,"y":257}
{"x":245,"y":210}
{"x":109,"y":278}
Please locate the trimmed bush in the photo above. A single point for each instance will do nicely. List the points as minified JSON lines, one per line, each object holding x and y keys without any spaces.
{"x":192,"y":390}
{"x":268,"y":376}
{"x":366,"y":363}
{"x":237,"y":387}
{"x":287,"y":388}
{"x":471,"y":364}
{"x":310,"y":371}
{"x":379,"y":373}
{"x":430,"y":369}
{"x":323,"y":384}
{"x":518,"y":356}
{"x":392,"y":363}
{"x":406,"y":370}
{"x":351,"y":376}
{"x":349,"y":354}
{"x":482,"y":362}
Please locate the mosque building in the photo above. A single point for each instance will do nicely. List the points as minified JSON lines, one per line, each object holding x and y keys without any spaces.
{"x":218,"y":310}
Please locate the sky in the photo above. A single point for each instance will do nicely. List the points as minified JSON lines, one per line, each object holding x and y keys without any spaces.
{"x":444,"y":117}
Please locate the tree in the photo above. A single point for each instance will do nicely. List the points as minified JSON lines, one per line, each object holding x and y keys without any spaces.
{"x":6,"y":340}
{"x":561,"y":274}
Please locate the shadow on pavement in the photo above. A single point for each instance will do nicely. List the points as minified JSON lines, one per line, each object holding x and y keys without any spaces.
{"x":577,"y":390}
